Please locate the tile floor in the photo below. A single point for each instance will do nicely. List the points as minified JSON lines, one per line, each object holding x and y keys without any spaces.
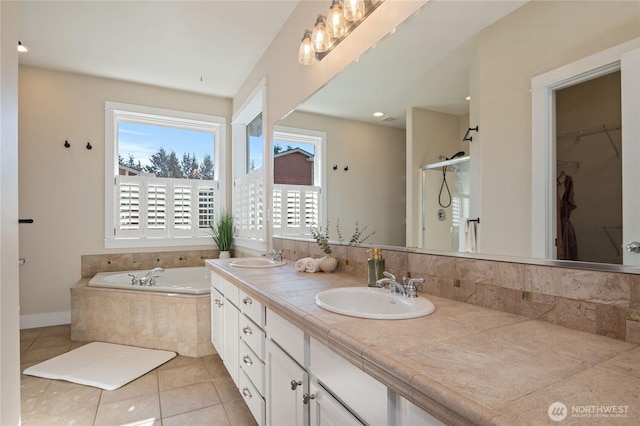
{"x":184,"y":391}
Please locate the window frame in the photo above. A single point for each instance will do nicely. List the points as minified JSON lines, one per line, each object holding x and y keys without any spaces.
{"x":115,"y":112}
{"x":318,"y":139}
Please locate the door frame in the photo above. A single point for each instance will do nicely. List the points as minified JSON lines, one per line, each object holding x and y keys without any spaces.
{"x":543,"y":140}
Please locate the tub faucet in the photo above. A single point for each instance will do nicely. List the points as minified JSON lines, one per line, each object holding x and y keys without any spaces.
{"x":150,"y":277}
{"x":276,"y":255}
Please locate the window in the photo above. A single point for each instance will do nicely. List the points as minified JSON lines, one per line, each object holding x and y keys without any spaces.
{"x":297,"y":176}
{"x":161,"y":169}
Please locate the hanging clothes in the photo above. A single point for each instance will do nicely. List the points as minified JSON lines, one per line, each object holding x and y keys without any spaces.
{"x":567,"y":205}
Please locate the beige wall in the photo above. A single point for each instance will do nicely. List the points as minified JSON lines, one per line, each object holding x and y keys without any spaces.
{"x":371,"y":192}
{"x":62,"y":189}
{"x":9,"y":310}
{"x":534,"y":39}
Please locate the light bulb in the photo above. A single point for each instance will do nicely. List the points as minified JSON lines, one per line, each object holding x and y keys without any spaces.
{"x":319,"y":37}
{"x":306,"y":53}
{"x":353,"y":10}
{"x":336,"y":25}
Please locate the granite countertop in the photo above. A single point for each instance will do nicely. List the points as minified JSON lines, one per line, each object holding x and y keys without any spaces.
{"x":463,"y":363}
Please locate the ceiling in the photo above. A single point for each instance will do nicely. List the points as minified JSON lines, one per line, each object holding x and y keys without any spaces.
{"x":207,"y":47}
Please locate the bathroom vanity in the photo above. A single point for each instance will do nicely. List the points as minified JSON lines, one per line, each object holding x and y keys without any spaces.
{"x":295,"y":363}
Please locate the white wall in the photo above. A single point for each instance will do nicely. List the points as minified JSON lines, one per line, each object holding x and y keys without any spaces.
{"x":9,"y":309}
{"x":536,"y":38}
{"x":371,"y":192}
{"x":62,"y":189}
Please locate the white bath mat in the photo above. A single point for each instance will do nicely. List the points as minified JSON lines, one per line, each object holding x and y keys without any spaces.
{"x":103,"y":365}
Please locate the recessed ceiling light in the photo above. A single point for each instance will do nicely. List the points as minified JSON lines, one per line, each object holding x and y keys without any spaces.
{"x":468,"y":98}
{"x":22,"y":48}
{"x":378,"y":114}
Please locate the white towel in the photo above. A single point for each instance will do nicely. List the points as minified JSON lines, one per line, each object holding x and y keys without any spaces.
{"x":313,"y":265}
{"x":301,"y":264}
{"x":462,"y":234}
{"x":471,"y":240}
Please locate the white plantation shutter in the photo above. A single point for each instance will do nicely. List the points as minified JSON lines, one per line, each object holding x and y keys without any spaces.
{"x":128,"y":205}
{"x":151,"y":207}
{"x":248,"y":207}
{"x":295,"y":208}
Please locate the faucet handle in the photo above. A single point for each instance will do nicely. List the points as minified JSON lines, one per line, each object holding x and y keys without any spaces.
{"x":134,"y":279}
{"x":411,"y":286}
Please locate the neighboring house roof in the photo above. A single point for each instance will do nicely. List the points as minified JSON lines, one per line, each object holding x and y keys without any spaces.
{"x":294,"y":150}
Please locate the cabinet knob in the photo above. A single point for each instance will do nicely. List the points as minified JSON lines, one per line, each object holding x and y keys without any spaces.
{"x":246,"y":393}
{"x":247,"y":330}
{"x":247,"y":301}
{"x":247,"y":360}
{"x":295,"y":384}
{"x":307,"y":397}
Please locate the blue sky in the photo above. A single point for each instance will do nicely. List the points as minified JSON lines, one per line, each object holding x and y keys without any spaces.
{"x":143,"y":140}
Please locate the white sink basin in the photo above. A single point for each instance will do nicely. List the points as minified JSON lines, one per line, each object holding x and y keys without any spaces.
{"x":374,"y":303}
{"x":256,"y":262}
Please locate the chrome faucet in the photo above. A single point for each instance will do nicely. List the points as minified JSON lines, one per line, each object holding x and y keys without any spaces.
{"x":276,"y":255}
{"x":150,"y":277}
{"x":406,"y":288}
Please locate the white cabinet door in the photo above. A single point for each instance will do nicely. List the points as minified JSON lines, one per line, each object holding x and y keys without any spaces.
{"x":326,"y":411}
{"x":217,"y":321}
{"x":286,"y":383}
{"x":231,"y":339}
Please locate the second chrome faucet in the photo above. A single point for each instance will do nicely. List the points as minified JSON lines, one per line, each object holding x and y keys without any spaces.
{"x":408,"y":286}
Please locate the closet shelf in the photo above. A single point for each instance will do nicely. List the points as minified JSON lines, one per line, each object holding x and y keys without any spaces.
{"x":604,"y":128}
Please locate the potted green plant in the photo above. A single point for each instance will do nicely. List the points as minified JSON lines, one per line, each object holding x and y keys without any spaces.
{"x":328,"y":263}
{"x":222,"y":233}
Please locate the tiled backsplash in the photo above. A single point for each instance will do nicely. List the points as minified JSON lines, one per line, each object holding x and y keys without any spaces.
{"x":605,"y":303}
{"x":93,"y":263}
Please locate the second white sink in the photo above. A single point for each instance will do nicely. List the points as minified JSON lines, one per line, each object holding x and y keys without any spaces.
{"x":256,"y":263}
{"x":373,"y":303}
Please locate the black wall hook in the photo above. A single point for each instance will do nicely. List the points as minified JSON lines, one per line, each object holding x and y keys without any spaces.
{"x":66,"y":144}
{"x":89,"y":145}
{"x":346,"y":168}
{"x":335,"y":167}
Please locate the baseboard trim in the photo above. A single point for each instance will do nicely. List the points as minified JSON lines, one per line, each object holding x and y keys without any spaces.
{"x":45,"y":320}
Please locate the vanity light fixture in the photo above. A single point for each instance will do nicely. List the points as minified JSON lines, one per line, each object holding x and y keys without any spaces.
{"x":22,"y":48}
{"x":328,"y":31}
{"x":306,"y":53}
{"x":319,"y":37}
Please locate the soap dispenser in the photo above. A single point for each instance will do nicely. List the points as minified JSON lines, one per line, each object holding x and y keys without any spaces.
{"x":375,"y":266}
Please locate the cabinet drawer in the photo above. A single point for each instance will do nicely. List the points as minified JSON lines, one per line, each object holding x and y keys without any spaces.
{"x":253,"y":335}
{"x":230,"y":291}
{"x":253,"y":308}
{"x":286,"y":335}
{"x":253,"y":399}
{"x":253,"y":366}
{"x":216,"y":281}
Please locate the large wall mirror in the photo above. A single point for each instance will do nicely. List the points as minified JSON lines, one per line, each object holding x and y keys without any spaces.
{"x":451,"y":67}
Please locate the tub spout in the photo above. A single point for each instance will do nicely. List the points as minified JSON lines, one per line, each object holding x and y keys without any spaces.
{"x":150,"y":277}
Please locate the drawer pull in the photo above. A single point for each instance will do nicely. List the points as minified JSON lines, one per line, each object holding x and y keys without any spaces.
{"x":247,"y":301}
{"x":307,"y":397}
{"x":247,"y":330}
{"x":295,"y":384}
{"x":246,"y":393}
{"x":247,"y":360}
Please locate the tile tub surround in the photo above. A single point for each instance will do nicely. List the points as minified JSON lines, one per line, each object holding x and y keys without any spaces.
{"x":464,"y":363}
{"x":604,"y":303}
{"x":179,"y":323}
{"x":91,"y":264}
